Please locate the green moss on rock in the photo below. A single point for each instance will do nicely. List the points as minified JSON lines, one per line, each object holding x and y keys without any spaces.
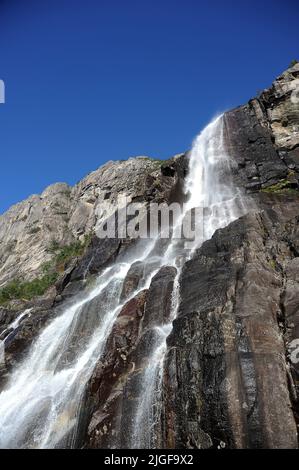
{"x":27,"y":290}
{"x":283,"y":186}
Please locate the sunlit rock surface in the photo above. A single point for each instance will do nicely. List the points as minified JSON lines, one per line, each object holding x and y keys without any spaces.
{"x":231,"y":369}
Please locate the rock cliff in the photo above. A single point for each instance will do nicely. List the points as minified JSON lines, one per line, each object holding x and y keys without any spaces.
{"x":63,"y":214}
{"x":231,"y":373}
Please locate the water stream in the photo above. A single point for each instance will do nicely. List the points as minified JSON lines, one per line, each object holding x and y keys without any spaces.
{"x":208,"y":186}
{"x":40,"y":405}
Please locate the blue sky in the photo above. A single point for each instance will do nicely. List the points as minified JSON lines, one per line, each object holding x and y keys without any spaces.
{"x":89,"y":81}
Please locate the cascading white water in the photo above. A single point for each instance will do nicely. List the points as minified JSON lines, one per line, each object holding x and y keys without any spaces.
{"x":209,"y":186}
{"x":210,"y":182}
{"x":38,"y":408}
{"x":40,"y":405}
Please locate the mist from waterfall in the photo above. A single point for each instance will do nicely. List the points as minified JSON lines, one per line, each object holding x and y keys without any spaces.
{"x":40,"y":405}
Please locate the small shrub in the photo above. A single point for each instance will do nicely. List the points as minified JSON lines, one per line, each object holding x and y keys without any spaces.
{"x":27,"y":290}
{"x":283,"y":186}
{"x":69,"y":252}
{"x":54,"y":247}
{"x":272,"y":264}
{"x":66,"y":254}
{"x":47,"y":267}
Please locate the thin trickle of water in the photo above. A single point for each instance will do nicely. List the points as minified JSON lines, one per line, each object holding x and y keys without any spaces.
{"x":148,"y":410}
{"x":40,"y":405}
{"x":14,"y":325}
{"x":8,"y":334}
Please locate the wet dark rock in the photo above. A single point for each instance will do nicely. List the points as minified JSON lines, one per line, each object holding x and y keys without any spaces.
{"x":105,"y":393}
{"x":133,"y":279}
{"x":18,"y":343}
{"x":158,"y":305}
{"x":72,"y":289}
{"x":113,"y":389}
{"x":227,"y":352}
{"x":99,"y":253}
{"x":263,"y":136}
{"x":250,"y":144}
{"x":231,"y":373}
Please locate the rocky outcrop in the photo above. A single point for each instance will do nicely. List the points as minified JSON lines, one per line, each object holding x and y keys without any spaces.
{"x":263,"y":137}
{"x":127,"y":351}
{"x":279,"y":106}
{"x":228,"y":378}
{"x":141,"y":179}
{"x":62,"y":214}
{"x":106,"y":388}
{"x":30,"y":227}
{"x":231,"y":371}
{"x":235,"y":340}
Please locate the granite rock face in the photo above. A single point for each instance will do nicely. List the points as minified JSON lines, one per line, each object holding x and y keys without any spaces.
{"x":231,"y":370}
{"x":231,"y":373}
{"x":28,"y":228}
{"x":228,"y":377}
{"x":63,"y":214}
{"x":263,"y":136}
{"x":120,"y":372}
{"x":281,"y":107}
{"x":141,"y":179}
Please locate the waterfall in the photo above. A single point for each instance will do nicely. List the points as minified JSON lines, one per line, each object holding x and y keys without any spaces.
{"x":38,"y":407}
{"x":209,"y":186}
{"x":40,"y":404}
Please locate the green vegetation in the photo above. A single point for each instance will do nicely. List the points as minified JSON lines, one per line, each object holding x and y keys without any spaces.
{"x":293,"y":62}
{"x":54,"y":247}
{"x":283,"y":186}
{"x":64,"y":254}
{"x":68,"y":252}
{"x":272,"y":263}
{"x":151,"y":159}
{"x":278,"y":187}
{"x":27,"y":290}
{"x":157,"y":163}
